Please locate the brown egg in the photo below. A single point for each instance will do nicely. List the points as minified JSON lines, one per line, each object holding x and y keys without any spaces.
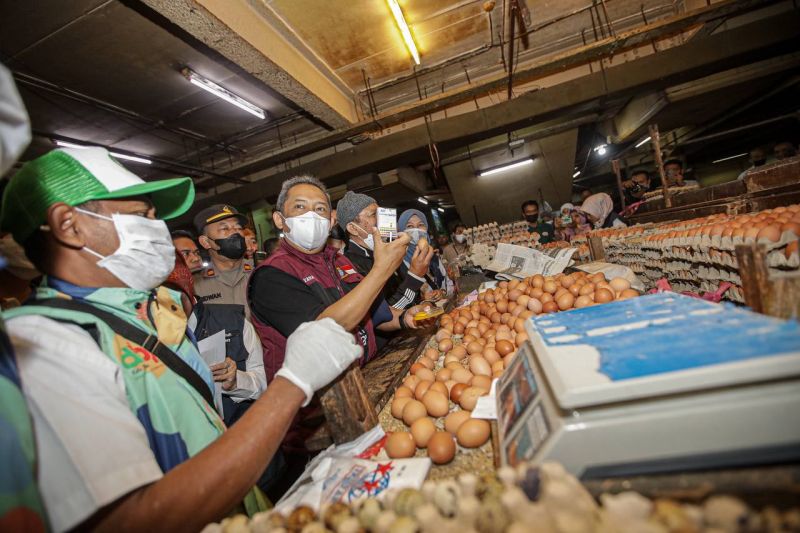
{"x":400,"y":445}
{"x":416,"y":367}
{"x":403,"y":392}
{"x":427,"y":363}
{"x":791,"y":249}
{"x":536,"y":293}
{"x":422,"y":430}
{"x":454,"y":420}
{"x":583,"y":301}
{"x":770,"y":233}
{"x":452,"y":365}
{"x":441,"y":448}
{"x":461,"y":375}
{"x":751,"y":232}
{"x":521,"y":338}
{"x":535,"y":305}
{"x":483,"y":382}
{"x":411,"y":382}
{"x":459,"y":351}
{"x":502,"y":306}
{"x":587,"y":289}
{"x":473,"y":433}
{"x":523,"y":300}
{"x":545,"y":299}
{"x":442,"y":334}
{"x":507,"y":359}
{"x":575,"y":289}
{"x":619,"y":284}
{"x":439,"y":387}
{"x":469,"y":397}
{"x":458,"y":328}
{"x":491,"y":355}
{"x":456,"y":390}
{"x":504,"y":348}
{"x":449,"y":384}
{"x":436,"y":403}
{"x":474,"y":348}
{"x":432,"y":354}
{"x":519,"y":327}
{"x":479,"y":366}
{"x":495,"y":318}
{"x":421,"y":389}
{"x":602,"y":296}
{"x":413,"y":411}
{"x":514,"y":294}
{"x":537,"y":280}
{"x":550,"y":287}
{"x":443,"y":374}
{"x":473,"y":332}
{"x":550,"y":307}
{"x":397,"y":406}
{"x":497,"y":366}
{"x":445,"y":345}
{"x":425,"y":374}
{"x":565,"y":301}
{"x":628,"y":293}
{"x":793,"y":227}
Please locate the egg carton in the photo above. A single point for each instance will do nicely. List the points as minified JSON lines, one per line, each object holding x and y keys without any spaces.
{"x":778,"y":259}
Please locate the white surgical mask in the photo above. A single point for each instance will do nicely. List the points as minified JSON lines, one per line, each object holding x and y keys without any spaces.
{"x":369,"y":240}
{"x":309,"y":231}
{"x":145,"y":256}
{"x":460,"y":238}
{"x":416,"y":234}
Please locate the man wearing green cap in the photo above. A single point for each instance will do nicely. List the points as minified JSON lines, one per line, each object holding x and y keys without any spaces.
{"x":119,"y":396}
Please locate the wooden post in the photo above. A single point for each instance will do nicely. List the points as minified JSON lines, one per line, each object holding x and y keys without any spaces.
{"x":655,"y":139}
{"x":347,"y":407}
{"x":777,"y":295}
{"x":618,"y":172}
{"x":596,"y":250}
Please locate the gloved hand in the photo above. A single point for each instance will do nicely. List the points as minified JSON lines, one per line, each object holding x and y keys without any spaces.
{"x":316,"y":353}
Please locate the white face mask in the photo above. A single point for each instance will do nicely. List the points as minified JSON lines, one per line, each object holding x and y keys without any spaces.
{"x":145,"y":256}
{"x":309,"y":231}
{"x":369,"y":240}
{"x":460,"y":238}
{"x":416,"y":234}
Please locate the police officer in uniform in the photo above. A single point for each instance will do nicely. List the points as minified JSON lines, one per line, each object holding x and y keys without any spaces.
{"x":224,"y":280}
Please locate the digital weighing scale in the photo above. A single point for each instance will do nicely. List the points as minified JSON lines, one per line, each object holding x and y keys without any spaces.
{"x":659,"y":383}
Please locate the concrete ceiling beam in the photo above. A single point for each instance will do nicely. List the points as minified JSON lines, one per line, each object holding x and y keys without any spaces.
{"x":246,"y":35}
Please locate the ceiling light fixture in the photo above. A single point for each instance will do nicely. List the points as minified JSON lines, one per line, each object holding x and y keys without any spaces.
{"x":601,"y":150}
{"x":730,"y":157}
{"x":136,"y":159}
{"x":503,"y":168}
{"x":223,"y":93}
{"x":440,"y":209}
{"x":422,"y":200}
{"x":646,"y":139}
{"x":405,"y":31}
{"x":577,"y":173}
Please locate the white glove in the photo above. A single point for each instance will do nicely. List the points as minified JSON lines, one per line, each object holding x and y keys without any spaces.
{"x":316,"y":353}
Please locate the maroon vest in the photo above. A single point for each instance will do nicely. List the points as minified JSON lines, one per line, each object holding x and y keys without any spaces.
{"x":324,"y":273}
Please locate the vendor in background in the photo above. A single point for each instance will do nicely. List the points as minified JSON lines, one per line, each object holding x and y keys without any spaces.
{"x":784,"y":150}
{"x":358,"y":215}
{"x":441,"y":242}
{"x":673,"y":170}
{"x":459,"y":248}
{"x":565,"y":226}
{"x":758,"y":157}
{"x":599,"y":211}
{"x":636,"y":187}
{"x":186,"y":246}
{"x":118,"y":444}
{"x":438,"y":284}
{"x":250,"y":243}
{"x":530,"y":212}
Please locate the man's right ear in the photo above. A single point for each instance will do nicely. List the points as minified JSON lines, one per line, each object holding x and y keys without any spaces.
{"x":204,"y":242}
{"x":65,"y":225}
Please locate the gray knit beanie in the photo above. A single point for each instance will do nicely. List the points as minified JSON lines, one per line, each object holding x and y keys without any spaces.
{"x":350,"y":205}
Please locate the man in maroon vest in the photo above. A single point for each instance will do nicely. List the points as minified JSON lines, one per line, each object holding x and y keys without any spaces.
{"x":305,"y":280}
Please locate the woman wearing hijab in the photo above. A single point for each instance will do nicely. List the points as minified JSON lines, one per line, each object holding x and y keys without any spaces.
{"x":439,"y":285}
{"x":599,"y":210}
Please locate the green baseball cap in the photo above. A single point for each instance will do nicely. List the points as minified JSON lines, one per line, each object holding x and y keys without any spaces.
{"x":75,"y":176}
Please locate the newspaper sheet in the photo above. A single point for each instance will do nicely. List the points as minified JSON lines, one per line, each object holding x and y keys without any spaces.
{"x":512,"y":261}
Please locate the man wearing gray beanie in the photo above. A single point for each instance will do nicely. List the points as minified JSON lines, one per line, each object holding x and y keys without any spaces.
{"x":358,"y":215}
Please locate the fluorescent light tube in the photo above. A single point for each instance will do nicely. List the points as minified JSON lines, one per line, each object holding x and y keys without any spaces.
{"x":223,"y":93}
{"x":506,"y":167}
{"x":405,"y":31}
{"x":422,"y":200}
{"x":577,"y":173}
{"x":66,"y":144}
{"x":642,"y":142}
{"x":730,"y":157}
{"x":601,"y":150}
{"x":440,"y":209}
